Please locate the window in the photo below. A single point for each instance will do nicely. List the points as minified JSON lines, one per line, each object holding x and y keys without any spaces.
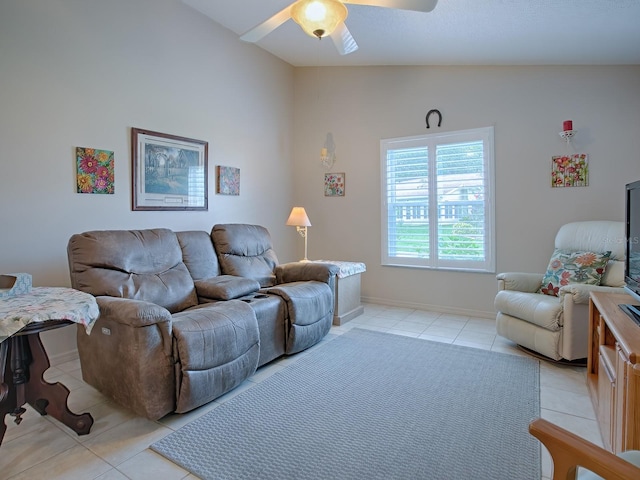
{"x":437,"y":200}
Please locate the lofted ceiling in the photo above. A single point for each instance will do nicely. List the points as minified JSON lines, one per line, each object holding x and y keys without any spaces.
{"x":457,"y":32}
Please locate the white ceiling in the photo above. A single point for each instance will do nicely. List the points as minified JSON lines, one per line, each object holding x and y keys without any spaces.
{"x":457,"y":32}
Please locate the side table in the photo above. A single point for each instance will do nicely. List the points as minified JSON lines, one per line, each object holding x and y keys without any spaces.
{"x":347,"y":302}
{"x":23,"y":359}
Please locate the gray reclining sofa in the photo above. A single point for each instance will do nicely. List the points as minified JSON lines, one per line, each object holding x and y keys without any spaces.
{"x":187,"y":316}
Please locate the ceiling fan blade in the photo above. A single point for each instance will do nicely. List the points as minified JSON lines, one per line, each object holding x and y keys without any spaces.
{"x":343,"y":40}
{"x":259,"y":31}
{"x":414,"y":5}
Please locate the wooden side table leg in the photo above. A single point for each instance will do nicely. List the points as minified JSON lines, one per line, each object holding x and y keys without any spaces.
{"x":20,"y":361}
{"x":51,"y":398}
{"x":7,"y":395}
{"x":4,"y":371}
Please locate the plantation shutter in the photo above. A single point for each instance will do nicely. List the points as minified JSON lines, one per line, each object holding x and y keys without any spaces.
{"x":408,"y":202}
{"x":437,"y":200}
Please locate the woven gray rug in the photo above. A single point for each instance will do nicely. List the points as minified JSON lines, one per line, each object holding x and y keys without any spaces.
{"x":369,"y":405}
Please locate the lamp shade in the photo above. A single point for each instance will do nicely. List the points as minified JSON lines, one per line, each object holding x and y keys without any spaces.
{"x":298,"y":218}
{"x":319,"y":18}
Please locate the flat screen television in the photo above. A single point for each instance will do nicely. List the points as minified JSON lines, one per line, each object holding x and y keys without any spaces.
{"x":632,"y":250}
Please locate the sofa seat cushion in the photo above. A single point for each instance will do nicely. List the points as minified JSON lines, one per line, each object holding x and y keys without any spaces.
{"x":216,"y":347}
{"x":542,"y":310}
{"x":309,"y":311}
{"x":226,"y":287}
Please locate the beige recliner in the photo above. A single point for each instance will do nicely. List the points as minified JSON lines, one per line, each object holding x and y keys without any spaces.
{"x":557,"y":326}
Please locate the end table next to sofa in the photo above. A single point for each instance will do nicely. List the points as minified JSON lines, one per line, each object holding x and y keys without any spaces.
{"x":347,"y":302}
{"x":23,"y":359}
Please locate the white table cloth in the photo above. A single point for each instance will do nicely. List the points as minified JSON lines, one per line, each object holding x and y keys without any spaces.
{"x":46,"y":303}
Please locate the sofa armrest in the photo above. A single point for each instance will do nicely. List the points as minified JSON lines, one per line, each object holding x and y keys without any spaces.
{"x":579,"y":292}
{"x":133,"y":313}
{"x":521,"y":282}
{"x":306,"y":271}
{"x":128,"y":355}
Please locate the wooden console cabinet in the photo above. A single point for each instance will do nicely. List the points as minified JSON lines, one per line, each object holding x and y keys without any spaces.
{"x":613,"y":371}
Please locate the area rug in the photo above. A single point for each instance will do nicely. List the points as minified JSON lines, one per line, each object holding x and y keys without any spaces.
{"x":370,"y":405}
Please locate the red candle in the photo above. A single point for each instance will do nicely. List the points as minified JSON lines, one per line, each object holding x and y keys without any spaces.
{"x":567,"y":125}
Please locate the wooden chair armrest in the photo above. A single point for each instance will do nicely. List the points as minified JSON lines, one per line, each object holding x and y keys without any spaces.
{"x":568,"y":451}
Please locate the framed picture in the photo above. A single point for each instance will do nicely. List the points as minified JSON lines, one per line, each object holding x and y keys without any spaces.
{"x":334,"y":184}
{"x":227,"y":180}
{"x":169,"y":172}
{"x":95,"y":171}
{"x":570,"y":170}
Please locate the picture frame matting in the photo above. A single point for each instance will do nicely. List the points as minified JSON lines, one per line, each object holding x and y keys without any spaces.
{"x":169,"y":172}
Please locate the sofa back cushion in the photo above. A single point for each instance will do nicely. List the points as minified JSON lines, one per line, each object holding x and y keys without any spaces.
{"x":198,"y":254}
{"x":245,"y":251}
{"x":137,"y":264}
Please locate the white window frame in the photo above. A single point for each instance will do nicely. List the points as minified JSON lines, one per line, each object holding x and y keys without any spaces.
{"x":431,"y":141}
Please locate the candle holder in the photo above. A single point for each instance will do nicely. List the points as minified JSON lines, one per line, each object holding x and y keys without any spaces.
{"x":567,"y":135}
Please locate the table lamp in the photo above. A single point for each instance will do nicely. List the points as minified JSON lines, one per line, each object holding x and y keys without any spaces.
{"x":298,"y":218}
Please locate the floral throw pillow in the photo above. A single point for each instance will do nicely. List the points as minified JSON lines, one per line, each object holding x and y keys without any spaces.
{"x":573,"y":267}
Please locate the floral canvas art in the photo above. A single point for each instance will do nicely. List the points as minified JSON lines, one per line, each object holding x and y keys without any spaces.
{"x":570,"y":170}
{"x":95,"y":173}
{"x":228,"y":180}
{"x":334,"y":184}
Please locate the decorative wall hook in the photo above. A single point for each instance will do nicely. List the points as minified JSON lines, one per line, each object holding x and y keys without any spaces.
{"x":439,"y":116}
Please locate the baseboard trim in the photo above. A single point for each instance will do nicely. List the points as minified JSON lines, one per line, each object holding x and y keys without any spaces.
{"x":432,"y":308}
{"x":346,"y":317}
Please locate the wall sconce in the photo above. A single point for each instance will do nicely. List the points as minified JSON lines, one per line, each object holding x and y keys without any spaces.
{"x":328,"y":152}
{"x":298,"y":218}
{"x":567,"y":131}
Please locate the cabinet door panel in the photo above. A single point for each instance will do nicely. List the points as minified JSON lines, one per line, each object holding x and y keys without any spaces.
{"x":606,"y":386}
{"x":620,"y":405}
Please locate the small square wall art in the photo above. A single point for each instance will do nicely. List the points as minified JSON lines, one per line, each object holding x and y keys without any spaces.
{"x":334,"y":184}
{"x":94,"y":170}
{"x":228,"y":180}
{"x":570,"y":170}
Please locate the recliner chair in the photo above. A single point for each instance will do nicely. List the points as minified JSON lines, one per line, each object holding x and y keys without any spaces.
{"x":552,"y":320}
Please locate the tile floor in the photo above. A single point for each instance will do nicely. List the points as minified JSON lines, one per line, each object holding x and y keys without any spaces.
{"x":117,"y":447}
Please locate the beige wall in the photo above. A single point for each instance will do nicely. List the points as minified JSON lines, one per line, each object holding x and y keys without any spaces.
{"x":79,"y":73}
{"x":526,"y":105}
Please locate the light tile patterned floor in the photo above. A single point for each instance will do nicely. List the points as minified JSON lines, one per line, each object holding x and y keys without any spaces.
{"x":117,"y":447}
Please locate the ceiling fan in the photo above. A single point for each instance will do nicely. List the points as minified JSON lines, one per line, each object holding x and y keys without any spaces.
{"x":321,"y":18}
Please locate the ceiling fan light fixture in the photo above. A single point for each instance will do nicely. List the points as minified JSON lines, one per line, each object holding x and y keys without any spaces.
{"x":318,"y":18}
